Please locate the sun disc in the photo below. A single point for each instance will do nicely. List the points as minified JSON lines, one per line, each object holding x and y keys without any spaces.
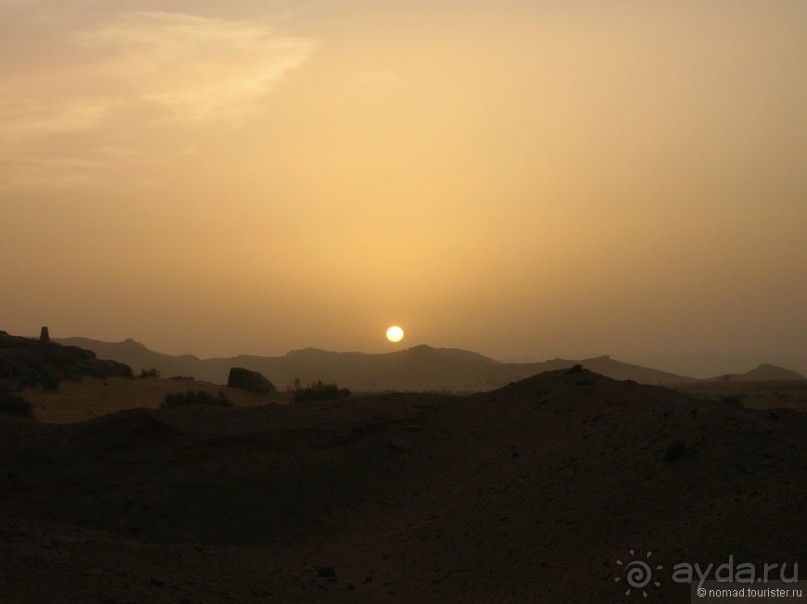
{"x":395,"y":334}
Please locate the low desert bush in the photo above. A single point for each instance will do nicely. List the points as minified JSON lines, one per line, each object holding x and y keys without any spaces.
{"x":196,"y":397}
{"x":49,"y":381}
{"x":150,"y":373}
{"x":317,"y":391}
{"x":675,"y":451}
{"x":733,"y":400}
{"x":14,"y":404}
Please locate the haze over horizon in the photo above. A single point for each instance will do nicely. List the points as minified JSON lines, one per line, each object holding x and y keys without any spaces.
{"x":526,"y":179}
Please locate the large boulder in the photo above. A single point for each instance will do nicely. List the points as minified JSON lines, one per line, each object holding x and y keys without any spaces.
{"x":248,"y":380}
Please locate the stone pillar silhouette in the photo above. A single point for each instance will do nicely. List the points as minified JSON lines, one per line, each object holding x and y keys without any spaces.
{"x":44,"y":337}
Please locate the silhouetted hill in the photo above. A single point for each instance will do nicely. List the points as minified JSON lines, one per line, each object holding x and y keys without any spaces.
{"x":419,"y":368}
{"x":527,"y":493}
{"x":704,"y":365}
{"x":762,"y":373}
{"x":609,"y":367}
{"x":28,"y":362}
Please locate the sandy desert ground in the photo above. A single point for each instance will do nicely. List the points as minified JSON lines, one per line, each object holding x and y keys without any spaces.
{"x":530,"y":493}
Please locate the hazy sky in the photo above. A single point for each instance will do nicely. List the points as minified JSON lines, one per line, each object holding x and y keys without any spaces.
{"x":519,"y":177}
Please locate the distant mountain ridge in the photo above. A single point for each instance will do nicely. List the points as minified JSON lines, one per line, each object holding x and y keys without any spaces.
{"x":420,"y":367}
{"x":762,"y":373}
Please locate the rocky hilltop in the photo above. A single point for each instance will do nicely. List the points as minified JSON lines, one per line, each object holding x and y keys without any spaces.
{"x":30,"y":362}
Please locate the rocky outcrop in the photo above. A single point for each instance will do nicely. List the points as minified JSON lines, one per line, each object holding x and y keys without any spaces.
{"x":251,"y":381}
{"x":29,"y":361}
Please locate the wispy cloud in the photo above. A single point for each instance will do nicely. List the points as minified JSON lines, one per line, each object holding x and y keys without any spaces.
{"x":109,"y":86}
{"x":195,"y":67}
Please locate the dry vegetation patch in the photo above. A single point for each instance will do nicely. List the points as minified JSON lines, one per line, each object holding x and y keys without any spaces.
{"x":91,"y":397}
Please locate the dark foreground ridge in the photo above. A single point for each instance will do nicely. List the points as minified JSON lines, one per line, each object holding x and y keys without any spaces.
{"x":529,"y":493}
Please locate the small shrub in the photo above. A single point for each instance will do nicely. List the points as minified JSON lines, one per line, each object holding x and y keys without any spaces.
{"x":14,"y":404}
{"x":47,"y":380}
{"x":50,"y":381}
{"x":675,"y":451}
{"x":196,"y":397}
{"x":733,"y":400}
{"x":151,"y":373}
{"x":317,"y":391}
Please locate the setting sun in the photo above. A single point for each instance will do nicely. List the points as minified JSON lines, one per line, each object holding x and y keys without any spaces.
{"x":395,"y":334}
